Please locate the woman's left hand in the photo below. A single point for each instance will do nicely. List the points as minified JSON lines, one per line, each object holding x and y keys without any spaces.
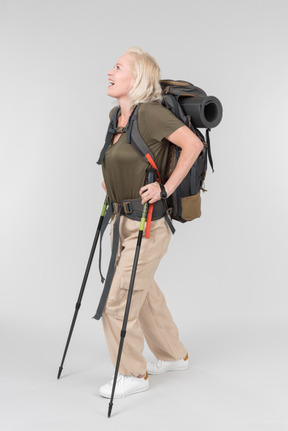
{"x":150,"y":193}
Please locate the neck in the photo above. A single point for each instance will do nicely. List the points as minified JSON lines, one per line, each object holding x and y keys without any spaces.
{"x":125,"y":110}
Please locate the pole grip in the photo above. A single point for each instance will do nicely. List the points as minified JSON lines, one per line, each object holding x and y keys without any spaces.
{"x":151,"y":178}
{"x":151,"y":175}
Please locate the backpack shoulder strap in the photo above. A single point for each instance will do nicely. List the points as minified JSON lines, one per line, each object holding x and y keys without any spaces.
{"x":134,"y":137}
{"x":112,"y":128}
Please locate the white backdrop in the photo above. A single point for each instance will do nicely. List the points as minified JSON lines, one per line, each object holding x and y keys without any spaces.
{"x":227,"y":270}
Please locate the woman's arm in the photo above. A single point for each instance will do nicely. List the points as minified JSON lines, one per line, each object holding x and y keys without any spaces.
{"x":104,"y":186}
{"x":191,"y":148}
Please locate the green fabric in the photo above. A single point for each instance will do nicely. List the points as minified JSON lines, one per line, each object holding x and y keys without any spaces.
{"x":124,"y":169}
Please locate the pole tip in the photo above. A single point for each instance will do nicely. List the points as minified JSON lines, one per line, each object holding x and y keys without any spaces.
{"x":59,"y":372}
{"x":110,"y":409}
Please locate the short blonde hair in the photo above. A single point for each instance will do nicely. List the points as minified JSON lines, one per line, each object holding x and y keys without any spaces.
{"x":146,"y":72}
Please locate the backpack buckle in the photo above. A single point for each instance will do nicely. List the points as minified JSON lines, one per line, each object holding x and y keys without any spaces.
{"x":127,"y":207}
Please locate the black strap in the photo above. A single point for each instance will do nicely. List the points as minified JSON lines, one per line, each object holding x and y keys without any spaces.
{"x":132,"y":118}
{"x":134,"y":137}
{"x":112,"y":129}
{"x":105,"y":222}
{"x":168,"y":221}
{"x":209,"y":149}
{"x":111,"y":269}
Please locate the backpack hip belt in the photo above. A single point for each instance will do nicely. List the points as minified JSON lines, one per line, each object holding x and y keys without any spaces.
{"x":132,"y":209}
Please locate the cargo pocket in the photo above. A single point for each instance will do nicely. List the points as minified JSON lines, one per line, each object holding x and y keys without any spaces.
{"x":138,"y":297}
{"x":115,"y":298}
{"x":191,"y":207}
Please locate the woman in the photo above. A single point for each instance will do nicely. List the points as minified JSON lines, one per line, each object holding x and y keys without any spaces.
{"x":133,"y":80}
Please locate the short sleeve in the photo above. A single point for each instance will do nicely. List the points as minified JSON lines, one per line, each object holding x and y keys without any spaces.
{"x":112,"y":111}
{"x":156,"y":122}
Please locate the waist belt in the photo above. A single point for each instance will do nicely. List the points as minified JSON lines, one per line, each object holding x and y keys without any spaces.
{"x":131,"y":209}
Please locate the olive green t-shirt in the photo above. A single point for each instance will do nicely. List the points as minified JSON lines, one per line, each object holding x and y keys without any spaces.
{"x":124,"y":169}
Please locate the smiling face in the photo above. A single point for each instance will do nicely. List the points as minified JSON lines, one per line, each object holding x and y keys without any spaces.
{"x":120,"y":78}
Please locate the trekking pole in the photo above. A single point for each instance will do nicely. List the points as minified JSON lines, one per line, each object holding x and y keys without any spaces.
{"x":78,"y":303}
{"x":150,"y":179}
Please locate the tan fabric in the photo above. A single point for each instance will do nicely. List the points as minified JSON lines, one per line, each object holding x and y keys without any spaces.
{"x":149,"y":315}
{"x":124,"y":169}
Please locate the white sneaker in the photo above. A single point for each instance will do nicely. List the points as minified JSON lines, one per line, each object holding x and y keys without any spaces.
{"x":161,"y":367}
{"x":125,"y":385}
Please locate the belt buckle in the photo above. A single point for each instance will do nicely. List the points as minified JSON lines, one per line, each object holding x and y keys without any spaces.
{"x":115,"y":208}
{"x":127,"y":208}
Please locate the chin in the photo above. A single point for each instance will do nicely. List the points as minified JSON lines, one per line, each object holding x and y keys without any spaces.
{"x":111,"y":93}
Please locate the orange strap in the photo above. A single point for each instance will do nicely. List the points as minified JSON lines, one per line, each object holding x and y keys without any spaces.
{"x":152,"y":163}
{"x":151,"y":206}
{"x":148,"y":220}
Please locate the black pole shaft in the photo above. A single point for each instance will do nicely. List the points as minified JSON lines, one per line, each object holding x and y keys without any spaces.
{"x":150,"y":179}
{"x":125,"y":320}
{"x":83,"y":285}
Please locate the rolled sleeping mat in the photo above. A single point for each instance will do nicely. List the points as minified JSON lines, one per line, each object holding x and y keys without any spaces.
{"x":204,"y":111}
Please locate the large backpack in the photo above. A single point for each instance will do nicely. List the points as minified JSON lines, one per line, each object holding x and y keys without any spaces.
{"x":196,"y":110}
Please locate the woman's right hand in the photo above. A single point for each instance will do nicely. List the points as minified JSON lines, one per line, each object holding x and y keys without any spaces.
{"x":104,"y":186}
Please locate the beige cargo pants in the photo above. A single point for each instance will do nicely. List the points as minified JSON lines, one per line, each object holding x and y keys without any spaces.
{"x":149,"y":316}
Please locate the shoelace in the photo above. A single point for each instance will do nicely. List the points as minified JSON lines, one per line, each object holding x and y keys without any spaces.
{"x":120,"y":383}
{"x":159,"y":363}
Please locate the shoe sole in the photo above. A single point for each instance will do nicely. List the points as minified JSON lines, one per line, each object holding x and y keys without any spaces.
{"x":104,"y":395}
{"x":181,"y":368}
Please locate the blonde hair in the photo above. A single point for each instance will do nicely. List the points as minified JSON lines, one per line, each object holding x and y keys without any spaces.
{"x":146,"y":73}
